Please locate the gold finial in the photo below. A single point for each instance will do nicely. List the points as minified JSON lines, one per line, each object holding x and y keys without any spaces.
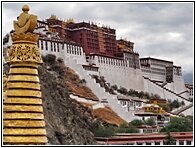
{"x":26,"y":22}
{"x":25,"y":8}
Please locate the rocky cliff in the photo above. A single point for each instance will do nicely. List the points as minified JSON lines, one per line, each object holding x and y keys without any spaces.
{"x":67,"y":121}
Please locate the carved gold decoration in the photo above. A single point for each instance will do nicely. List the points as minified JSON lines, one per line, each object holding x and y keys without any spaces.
{"x":26,"y":22}
{"x":24,"y":52}
{"x":28,"y":37}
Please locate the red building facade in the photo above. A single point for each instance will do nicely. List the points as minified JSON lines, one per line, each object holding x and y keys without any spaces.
{"x":95,"y":39}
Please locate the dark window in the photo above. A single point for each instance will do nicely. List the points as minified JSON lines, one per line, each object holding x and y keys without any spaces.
{"x":58,"y":47}
{"x":51,"y":46}
{"x":46,"y":45}
{"x":148,"y":143}
{"x":157,"y":143}
{"x":181,"y":142}
{"x":41,"y":45}
{"x":188,"y":142}
{"x":54,"y":47}
{"x":63,"y":46}
{"x":38,"y":43}
{"x":139,"y":143}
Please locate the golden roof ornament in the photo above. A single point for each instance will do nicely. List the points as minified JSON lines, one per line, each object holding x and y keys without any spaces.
{"x":53,"y":17}
{"x":26,"y":22}
{"x":70,"y":20}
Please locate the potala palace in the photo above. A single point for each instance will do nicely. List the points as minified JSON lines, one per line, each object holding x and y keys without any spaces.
{"x":89,"y":50}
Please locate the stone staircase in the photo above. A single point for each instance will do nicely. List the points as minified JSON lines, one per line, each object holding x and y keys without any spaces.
{"x":177,"y":112}
{"x":168,"y":90}
{"x":98,"y":90}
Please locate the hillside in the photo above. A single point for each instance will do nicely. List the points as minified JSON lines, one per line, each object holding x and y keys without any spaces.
{"x":67,"y":121}
{"x":106,"y":114}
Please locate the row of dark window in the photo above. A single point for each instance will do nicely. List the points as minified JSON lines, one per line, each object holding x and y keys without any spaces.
{"x":91,"y":69}
{"x":181,"y":142}
{"x":70,"y":48}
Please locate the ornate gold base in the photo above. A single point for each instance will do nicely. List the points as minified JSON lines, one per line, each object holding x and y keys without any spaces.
{"x":23,"y":120}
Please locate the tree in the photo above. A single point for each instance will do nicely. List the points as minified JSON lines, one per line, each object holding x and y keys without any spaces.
{"x":150,"y":122}
{"x":146,"y":94}
{"x":50,"y":58}
{"x":182,"y":124}
{"x":121,"y":128}
{"x":141,"y":94}
{"x":176,"y":104}
{"x":169,"y":139}
{"x":137,"y":122}
{"x":115,"y":87}
{"x":132,"y":92}
{"x":155,"y":96}
{"x":104,"y":132}
{"x":182,"y":103}
{"x":124,"y":129}
{"x":122,"y":90}
{"x":132,"y":130}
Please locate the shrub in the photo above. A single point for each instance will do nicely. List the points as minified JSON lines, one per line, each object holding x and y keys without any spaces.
{"x":104,"y":132}
{"x":115,"y":87}
{"x":137,"y":122}
{"x":50,"y":58}
{"x":60,"y":60}
{"x":150,"y":122}
{"x":132,"y":92}
{"x":124,"y":129}
{"x":180,"y":124}
{"x":132,"y":130}
{"x":122,"y":90}
{"x":155,"y":96}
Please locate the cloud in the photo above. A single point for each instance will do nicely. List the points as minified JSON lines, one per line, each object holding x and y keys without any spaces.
{"x":161,"y":30}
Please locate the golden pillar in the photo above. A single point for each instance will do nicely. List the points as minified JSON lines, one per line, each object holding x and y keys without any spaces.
{"x":23,"y":119}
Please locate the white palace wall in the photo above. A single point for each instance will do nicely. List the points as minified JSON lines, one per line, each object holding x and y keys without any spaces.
{"x":116,"y":73}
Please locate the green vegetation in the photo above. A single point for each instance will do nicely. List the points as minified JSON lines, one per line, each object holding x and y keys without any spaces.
{"x":155,"y":96}
{"x":182,"y":124}
{"x":138,"y":122}
{"x":115,"y":87}
{"x":111,"y":131}
{"x":127,"y":129}
{"x":169,"y":139}
{"x":140,"y":94}
{"x":104,"y":131}
{"x":175,"y":104}
{"x":150,"y":122}
{"x":123,"y":128}
{"x":49,"y":58}
{"x":54,"y":63}
{"x":122,"y":90}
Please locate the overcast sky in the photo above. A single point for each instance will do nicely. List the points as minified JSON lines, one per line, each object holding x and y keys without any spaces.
{"x":159,"y":30}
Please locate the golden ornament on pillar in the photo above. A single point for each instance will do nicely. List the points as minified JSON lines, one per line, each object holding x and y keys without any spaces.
{"x":23,"y":119}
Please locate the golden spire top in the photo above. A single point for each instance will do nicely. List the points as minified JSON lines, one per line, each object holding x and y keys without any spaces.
{"x":26,"y":22}
{"x":25,"y":8}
